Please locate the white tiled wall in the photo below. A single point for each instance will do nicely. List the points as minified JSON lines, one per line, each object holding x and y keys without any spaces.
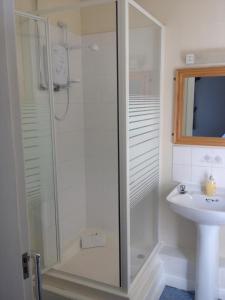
{"x":86,"y":141}
{"x":100,"y":109}
{"x":195,"y":164}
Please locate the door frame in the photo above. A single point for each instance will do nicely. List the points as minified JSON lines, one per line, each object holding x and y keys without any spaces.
{"x":13,"y":214}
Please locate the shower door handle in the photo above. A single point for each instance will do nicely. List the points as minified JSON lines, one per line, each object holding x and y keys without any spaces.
{"x":37,"y":275}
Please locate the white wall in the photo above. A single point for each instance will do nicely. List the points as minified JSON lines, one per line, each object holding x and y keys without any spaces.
{"x":190,"y":25}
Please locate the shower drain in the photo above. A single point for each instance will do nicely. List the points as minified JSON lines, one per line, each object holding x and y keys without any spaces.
{"x":140,"y":256}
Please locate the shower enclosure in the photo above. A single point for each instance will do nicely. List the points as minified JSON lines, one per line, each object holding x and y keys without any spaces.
{"x":89,"y":78}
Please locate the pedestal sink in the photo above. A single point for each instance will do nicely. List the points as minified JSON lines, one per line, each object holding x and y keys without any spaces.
{"x":208,"y":213}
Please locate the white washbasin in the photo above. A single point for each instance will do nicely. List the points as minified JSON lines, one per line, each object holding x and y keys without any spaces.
{"x":196,"y":206}
{"x":208,"y":213}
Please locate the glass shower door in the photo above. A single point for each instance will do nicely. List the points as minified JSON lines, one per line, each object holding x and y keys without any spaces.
{"x":144,"y":134}
{"x":38,"y":147}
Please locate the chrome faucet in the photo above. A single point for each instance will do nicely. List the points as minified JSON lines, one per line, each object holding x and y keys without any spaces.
{"x":182,"y":189}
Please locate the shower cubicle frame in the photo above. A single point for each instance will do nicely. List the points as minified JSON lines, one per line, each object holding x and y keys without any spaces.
{"x":123,"y":98}
{"x":123,"y":74}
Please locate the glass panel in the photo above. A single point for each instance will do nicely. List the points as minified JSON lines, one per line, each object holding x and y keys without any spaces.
{"x":99,"y":69}
{"x":83,"y":38}
{"x":37,"y":137}
{"x":84,"y":68}
{"x":144,"y":122}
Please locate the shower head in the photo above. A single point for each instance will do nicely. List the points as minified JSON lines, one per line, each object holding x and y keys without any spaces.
{"x":62,"y":24}
{"x":93,"y":47}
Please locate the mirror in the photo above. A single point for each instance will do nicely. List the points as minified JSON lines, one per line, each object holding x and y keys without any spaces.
{"x":200,"y":106}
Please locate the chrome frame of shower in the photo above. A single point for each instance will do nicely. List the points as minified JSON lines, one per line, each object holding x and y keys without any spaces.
{"x":123,"y":74}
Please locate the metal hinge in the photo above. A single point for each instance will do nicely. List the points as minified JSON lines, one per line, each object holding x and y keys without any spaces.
{"x":25,"y":265}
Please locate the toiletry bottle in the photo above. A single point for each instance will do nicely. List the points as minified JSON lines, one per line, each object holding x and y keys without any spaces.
{"x":210,"y":187}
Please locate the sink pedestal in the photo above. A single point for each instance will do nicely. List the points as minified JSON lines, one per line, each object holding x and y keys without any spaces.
{"x":209,"y":214}
{"x":207,"y":262}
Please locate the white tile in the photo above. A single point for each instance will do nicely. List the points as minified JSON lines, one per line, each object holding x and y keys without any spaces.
{"x":200,"y":174}
{"x":72,"y":173}
{"x":182,"y":173}
{"x":89,"y":65}
{"x":108,"y":59}
{"x":90,"y":39}
{"x":74,"y":119}
{"x":218,"y":157}
{"x":108,"y":38}
{"x":92,"y":86}
{"x":95,"y":198}
{"x":70,"y":145}
{"x":101,"y":142}
{"x":219,"y":176}
{"x":109,"y":163}
{"x":101,"y":115}
{"x":74,"y":202}
{"x":72,"y":211}
{"x":109,"y":88}
{"x":202,"y":156}
{"x":59,"y":97}
{"x":76,"y":93}
{"x":181,"y":155}
{"x":59,"y":107}
{"x":75,"y":64}
{"x":102,"y":190}
{"x":92,"y":61}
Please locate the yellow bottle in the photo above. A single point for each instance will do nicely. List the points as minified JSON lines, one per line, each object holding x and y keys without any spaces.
{"x":210,"y":187}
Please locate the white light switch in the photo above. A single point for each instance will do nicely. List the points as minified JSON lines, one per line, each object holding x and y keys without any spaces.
{"x":190,"y":59}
